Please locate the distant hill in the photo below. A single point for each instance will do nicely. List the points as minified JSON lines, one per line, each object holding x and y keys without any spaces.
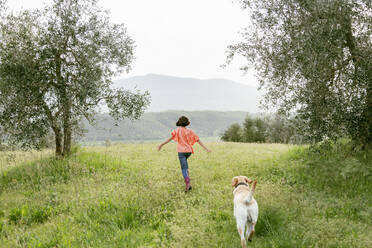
{"x":168,"y":92}
{"x":159,"y":125}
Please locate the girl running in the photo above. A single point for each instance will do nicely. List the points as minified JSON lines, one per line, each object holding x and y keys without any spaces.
{"x":185,"y":138}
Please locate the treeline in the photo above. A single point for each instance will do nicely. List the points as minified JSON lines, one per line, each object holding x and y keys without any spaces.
{"x":265,"y":129}
{"x":151,"y":126}
{"x":158,"y":125}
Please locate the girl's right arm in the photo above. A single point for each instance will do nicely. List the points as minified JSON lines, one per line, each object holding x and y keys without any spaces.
{"x":164,"y":143}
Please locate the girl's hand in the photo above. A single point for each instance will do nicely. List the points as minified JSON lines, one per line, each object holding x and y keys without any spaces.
{"x":164,"y":143}
{"x":207,"y":150}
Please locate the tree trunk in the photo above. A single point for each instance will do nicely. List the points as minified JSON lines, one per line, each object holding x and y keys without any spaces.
{"x":67,"y":133}
{"x":368,"y":113}
{"x":58,"y":139}
{"x":66,"y":140}
{"x":363,"y":72}
{"x":365,"y":125}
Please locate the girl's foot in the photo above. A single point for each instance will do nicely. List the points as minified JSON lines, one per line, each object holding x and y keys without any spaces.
{"x":188,"y":188}
{"x":188,"y":185}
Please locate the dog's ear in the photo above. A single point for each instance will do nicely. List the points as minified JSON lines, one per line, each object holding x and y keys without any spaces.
{"x":247,"y":180}
{"x":234,"y":181}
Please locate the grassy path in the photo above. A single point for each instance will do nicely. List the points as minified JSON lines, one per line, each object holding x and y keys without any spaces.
{"x":132,"y":196}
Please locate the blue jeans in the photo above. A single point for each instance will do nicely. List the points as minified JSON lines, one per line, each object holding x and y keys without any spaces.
{"x":183,"y":156}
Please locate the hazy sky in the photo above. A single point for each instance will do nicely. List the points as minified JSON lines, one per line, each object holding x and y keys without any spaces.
{"x":186,"y":38}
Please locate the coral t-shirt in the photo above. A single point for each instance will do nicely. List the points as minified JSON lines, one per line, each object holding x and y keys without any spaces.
{"x":185,"y":138}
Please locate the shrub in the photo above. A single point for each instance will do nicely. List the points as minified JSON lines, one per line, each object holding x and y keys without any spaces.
{"x":270,"y":129}
{"x":233,"y":133}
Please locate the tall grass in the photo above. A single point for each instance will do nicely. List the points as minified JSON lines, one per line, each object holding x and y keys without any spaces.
{"x":132,"y":196}
{"x":10,"y":159}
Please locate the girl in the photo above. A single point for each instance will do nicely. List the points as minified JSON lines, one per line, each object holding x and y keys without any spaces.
{"x":185,"y":138}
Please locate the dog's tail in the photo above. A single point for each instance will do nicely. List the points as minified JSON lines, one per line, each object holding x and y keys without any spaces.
{"x":250,"y":195}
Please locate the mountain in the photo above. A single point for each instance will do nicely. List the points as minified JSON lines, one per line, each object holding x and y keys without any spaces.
{"x":169,"y":93}
{"x":153,"y":126}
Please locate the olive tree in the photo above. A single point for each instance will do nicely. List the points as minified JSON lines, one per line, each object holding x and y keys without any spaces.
{"x":56,"y":66}
{"x":314,"y":59}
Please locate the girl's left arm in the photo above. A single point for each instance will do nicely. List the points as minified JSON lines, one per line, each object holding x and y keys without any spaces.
{"x":202,"y":145}
{"x":164,"y":143}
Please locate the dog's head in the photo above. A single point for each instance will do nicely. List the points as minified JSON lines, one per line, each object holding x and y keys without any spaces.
{"x":240,"y":179}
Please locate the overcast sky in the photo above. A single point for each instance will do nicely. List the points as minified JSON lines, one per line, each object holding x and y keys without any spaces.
{"x":185,"y":38}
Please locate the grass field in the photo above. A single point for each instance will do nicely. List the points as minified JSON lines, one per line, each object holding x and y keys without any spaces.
{"x":130,"y":195}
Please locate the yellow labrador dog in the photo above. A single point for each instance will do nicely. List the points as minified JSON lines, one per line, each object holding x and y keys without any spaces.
{"x":245,"y":207}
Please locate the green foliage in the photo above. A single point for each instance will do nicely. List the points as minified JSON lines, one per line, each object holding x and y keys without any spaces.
{"x":248,"y":130}
{"x":331,"y":169}
{"x":233,"y":133}
{"x":270,"y":129}
{"x":254,"y":130}
{"x":334,"y":168}
{"x":56,"y":68}
{"x":314,"y":58}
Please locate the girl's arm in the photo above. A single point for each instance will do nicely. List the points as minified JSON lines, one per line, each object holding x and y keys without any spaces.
{"x":202,"y":145}
{"x":164,"y":143}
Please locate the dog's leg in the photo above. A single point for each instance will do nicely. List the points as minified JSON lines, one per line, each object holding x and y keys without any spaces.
{"x":241,"y":227}
{"x":249,"y":230}
{"x":252,"y":231}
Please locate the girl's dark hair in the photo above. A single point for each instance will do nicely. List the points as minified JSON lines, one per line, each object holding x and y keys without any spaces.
{"x":183,"y":121}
